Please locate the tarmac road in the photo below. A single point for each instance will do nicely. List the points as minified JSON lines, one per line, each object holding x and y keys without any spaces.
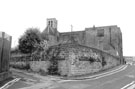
{"x":124,"y":79}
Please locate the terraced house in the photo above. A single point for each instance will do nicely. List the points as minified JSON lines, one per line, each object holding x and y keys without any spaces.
{"x":105,"y":38}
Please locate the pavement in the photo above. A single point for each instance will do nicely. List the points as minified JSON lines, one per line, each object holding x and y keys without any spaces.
{"x":103,"y":80}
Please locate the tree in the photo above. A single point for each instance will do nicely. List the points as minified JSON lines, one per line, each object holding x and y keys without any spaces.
{"x":28,"y":40}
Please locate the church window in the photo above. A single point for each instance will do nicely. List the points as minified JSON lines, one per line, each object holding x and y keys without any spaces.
{"x":48,"y":23}
{"x":51,"y":23}
{"x":100,"y":32}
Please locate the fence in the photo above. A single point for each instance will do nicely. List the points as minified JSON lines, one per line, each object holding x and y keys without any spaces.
{"x":5,"y":47}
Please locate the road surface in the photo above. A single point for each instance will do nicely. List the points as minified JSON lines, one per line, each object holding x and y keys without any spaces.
{"x":119,"y":80}
{"x":124,"y":79}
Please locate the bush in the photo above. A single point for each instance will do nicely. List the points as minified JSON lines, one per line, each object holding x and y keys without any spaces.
{"x":53,"y":69}
{"x":103,"y":61}
{"x":28,"y":40}
{"x":42,"y":72}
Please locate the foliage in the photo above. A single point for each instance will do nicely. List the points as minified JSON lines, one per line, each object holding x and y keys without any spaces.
{"x":42,"y":72}
{"x":103,"y":61}
{"x":27,"y":42}
{"x":53,"y":69}
{"x":52,"y":55}
{"x":40,"y":53}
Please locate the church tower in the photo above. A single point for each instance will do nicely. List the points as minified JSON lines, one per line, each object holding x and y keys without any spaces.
{"x":50,"y":33}
{"x":52,"y":22}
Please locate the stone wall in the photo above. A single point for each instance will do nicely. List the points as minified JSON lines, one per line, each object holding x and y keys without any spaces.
{"x":110,"y":41}
{"x":75,"y":59}
{"x":37,"y":66}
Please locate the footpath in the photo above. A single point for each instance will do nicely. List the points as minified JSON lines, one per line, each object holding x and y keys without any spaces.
{"x":36,"y":81}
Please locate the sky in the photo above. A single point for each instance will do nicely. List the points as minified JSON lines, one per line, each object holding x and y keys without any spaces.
{"x":18,"y":15}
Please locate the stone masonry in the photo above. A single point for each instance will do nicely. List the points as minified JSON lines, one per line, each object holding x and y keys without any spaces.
{"x":105,"y":38}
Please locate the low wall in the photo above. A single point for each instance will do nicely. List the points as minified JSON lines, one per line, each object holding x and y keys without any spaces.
{"x":38,"y":66}
{"x":35,"y":66}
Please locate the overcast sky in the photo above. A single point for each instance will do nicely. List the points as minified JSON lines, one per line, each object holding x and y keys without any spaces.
{"x":18,"y":15}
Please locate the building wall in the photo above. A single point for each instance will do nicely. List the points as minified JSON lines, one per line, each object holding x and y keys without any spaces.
{"x":105,"y":38}
{"x":79,"y":37}
{"x":110,"y":42}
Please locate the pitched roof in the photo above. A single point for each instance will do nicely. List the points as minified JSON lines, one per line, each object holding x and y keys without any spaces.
{"x":51,"y":31}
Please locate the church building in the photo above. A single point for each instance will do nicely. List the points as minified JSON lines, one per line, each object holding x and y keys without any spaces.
{"x":105,"y":38}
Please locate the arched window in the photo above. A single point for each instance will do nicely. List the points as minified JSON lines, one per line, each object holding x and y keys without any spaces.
{"x":51,"y":23}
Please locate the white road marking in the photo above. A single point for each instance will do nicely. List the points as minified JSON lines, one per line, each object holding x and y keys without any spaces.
{"x":9,"y":83}
{"x":99,"y":75}
{"x":111,"y":73}
{"x":131,"y":87}
{"x":128,"y":85}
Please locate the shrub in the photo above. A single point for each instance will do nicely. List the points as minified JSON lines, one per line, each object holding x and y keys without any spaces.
{"x":53,"y":69}
{"x":103,"y":61}
{"x":42,"y":72}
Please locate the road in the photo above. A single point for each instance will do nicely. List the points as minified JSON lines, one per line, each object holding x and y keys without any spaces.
{"x":115,"y":81}
{"x":124,"y":79}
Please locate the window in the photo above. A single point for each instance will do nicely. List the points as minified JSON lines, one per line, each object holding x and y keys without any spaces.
{"x":100,"y":32}
{"x":48,"y":23}
{"x":51,"y":23}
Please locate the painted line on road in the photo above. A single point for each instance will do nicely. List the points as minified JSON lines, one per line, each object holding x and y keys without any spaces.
{"x":128,"y":85}
{"x":9,"y":83}
{"x":111,"y":73}
{"x":99,"y":75}
{"x":131,"y":87}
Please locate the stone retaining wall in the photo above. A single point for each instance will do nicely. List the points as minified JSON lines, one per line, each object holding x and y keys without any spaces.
{"x":79,"y":60}
{"x":74,"y":60}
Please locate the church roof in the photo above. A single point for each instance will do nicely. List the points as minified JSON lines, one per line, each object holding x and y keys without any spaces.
{"x":51,"y":31}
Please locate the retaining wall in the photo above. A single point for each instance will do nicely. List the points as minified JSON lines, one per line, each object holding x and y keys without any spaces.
{"x":75,"y":60}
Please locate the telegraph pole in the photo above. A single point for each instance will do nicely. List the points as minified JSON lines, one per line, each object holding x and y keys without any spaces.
{"x":71,"y":28}
{"x":71,"y":33}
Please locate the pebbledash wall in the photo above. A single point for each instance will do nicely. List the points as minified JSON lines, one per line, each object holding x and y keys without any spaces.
{"x":75,"y":59}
